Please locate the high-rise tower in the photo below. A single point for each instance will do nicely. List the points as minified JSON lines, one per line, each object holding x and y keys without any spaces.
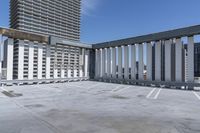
{"x":51,"y":17}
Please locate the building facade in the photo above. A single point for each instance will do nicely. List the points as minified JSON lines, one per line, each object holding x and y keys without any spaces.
{"x":49,"y":17}
{"x":45,"y":41}
{"x":36,"y":57}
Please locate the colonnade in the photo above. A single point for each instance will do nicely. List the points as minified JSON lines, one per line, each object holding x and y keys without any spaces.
{"x":163,"y":60}
{"x":26,"y":60}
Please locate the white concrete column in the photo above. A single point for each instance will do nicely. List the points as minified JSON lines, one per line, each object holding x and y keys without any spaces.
{"x":149,"y":61}
{"x":48,"y":61}
{"x":168,"y":53}
{"x":81,"y":73}
{"x":100,"y":63}
{"x":69,"y":73}
{"x":141,"y":63}
{"x":81,"y":58}
{"x":126,"y":62}
{"x":190,"y":63}
{"x":108,"y":62}
{"x":103,"y":62}
{"x":179,"y":63}
{"x":86,"y":63}
{"x":158,"y":61}
{"x":133,"y":62}
{"x":69,"y":65}
{"x":120,"y":62}
{"x":75,"y":73}
{"x":40,"y":52}
{"x":55,"y":71}
{"x":21,"y":60}
{"x":114,"y":62}
{"x":62,"y":67}
{"x":97,"y":63}
{"x":9,"y":58}
{"x":1,"y":58}
{"x":30,"y":60}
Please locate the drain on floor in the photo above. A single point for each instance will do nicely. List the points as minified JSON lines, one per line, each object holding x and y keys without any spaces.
{"x":34,"y":106}
{"x":140,"y":96}
{"x":119,"y":97}
{"x":12,"y":94}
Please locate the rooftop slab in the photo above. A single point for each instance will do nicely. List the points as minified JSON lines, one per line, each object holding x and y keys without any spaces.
{"x":96,"y":107}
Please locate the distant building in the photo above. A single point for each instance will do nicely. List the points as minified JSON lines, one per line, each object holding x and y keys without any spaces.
{"x":46,"y":40}
{"x":51,"y":17}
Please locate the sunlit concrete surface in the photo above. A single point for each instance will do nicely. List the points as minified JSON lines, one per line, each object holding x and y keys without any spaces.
{"x":96,"y":107}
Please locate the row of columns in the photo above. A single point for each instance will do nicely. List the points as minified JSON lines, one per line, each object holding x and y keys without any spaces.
{"x":9,"y":56}
{"x":162,"y":49}
{"x":1,"y":43}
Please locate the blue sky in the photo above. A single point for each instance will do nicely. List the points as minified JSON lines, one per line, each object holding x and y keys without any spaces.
{"x":105,"y":20}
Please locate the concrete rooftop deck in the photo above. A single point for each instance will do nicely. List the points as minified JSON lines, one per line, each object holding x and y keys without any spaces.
{"x":95,"y":107}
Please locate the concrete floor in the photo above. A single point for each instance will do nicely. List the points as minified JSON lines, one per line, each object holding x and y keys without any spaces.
{"x":94,"y":107}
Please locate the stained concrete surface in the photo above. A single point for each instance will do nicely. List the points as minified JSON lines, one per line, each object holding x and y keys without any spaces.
{"x":95,"y":107}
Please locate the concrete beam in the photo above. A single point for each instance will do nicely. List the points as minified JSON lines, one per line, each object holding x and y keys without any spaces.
{"x":177,"y":33}
{"x":22,"y":35}
{"x":57,"y":40}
